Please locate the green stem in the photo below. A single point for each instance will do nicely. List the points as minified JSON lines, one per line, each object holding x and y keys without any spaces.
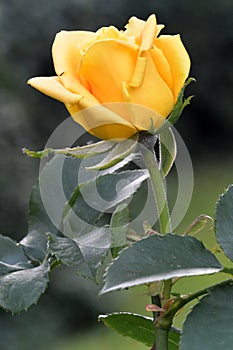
{"x":167,"y":290}
{"x":161,"y":334}
{"x":165,"y":321}
{"x":204,"y":291}
{"x":157,"y":180}
{"x":155,"y":300}
{"x":161,"y":339}
{"x":54,"y":264}
{"x":147,"y":150}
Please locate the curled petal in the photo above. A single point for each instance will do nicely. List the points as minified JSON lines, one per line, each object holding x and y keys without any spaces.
{"x":178,"y":59}
{"x":52,"y":87}
{"x":162,"y":65}
{"x":139,"y":72}
{"x":148,"y":33}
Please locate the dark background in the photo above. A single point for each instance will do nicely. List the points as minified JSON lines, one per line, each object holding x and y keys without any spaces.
{"x":27,"y":118}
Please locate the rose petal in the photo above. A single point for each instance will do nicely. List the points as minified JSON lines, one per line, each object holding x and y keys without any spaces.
{"x":66,"y":53}
{"x":154,"y":94}
{"x":111,"y":33}
{"x":52,"y":87}
{"x":178,"y":59}
{"x":102,"y":122}
{"x":139,"y":72}
{"x":148,"y":33}
{"x":134,"y":27}
{"x":162,"y":65}
{"x":66,"y":49}
{"x":106,"y":65}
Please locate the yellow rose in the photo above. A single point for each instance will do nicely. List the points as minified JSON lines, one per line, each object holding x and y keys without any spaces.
{"x":116,"y":72}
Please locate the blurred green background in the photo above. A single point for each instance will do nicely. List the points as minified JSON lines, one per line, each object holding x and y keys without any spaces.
{"x":65,"y":317}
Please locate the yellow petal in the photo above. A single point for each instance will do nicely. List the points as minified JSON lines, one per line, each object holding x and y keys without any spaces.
{"x":102,"y":122}
{"x":66,"y":49}
{"x":154,"y":94}
{"x":52,"y":87}
{"x":178,"y":59}
{"x":106,"y":65}
{"x":134,"y":27}
{"x":144,"y":118}
{"x":67,"y":55}
{"x":107,"y":32}
{"x":139,"y":72}
{"x":66,"y":52}
{"x":148,"y":33}
{"x":117,"y":132}
{"x":159,"y":28}
{"x":162,"y":65}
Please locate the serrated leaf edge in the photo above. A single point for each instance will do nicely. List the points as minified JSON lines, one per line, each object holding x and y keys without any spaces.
{"x":157,"y":277}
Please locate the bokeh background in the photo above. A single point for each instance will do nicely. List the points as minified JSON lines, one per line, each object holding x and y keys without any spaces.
{"x":27,"y":118}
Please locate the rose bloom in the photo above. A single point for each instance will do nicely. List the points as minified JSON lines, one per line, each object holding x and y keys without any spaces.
{"x":104,"y":78}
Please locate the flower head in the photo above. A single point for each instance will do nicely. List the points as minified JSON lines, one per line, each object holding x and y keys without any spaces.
{"x":116,"y":71}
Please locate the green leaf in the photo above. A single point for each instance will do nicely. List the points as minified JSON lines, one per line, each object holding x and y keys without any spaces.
{"x":56,"y":183}
{"x":86,"y":253}
{"x":77,"y":152}
{"x":143,"y":209}
{"x":167,"y":150}
{"x":35,"y":242}
{"x":65,"y":250}
{"x":20,"y":289}
{"x":119,"y":152}
{"x":210,"y":323}
{"x":124,"y":163}
{"x":137,"y":327}
{"x":224,"y":222}
{"x":94,"y":246}
{"x":12,"y":257}
{"x":39,"y":220}
{"x":174,"y":340}
{"x":92,"y":199}
{"x":119,"y":227}
{"x":181,"y":103}
{"x":157,"y":258}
